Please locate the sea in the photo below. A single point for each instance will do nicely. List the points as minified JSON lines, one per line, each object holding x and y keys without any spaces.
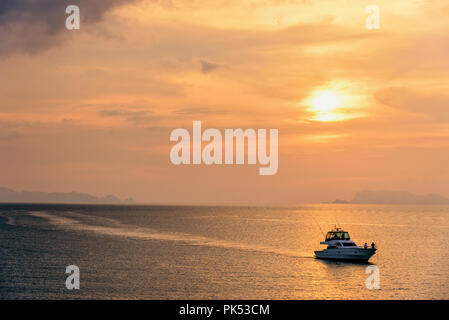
{"x":220,"y":252}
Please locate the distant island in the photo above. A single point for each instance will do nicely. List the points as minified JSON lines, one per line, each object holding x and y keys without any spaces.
{"x":11,"y":196}
{"x":340,"y":201}
{"x":393,"y":197}
{"x":397,"y":197}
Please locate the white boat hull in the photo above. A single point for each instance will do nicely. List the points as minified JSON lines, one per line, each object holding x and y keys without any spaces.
{"x":346,"y":254}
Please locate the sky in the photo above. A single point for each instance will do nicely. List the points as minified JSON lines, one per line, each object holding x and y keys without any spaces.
{"x":92,"y":110}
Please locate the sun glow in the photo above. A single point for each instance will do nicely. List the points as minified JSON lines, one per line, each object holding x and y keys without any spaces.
{"x":326,"y":101}
{"x":326,"y":106}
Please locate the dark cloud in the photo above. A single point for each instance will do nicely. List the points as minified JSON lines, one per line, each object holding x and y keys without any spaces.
{"x":135,"y":117}
{"x":10,"y":136}
{"x":435,"y":106}
{"x":207,"y":66}
{"x":198,"y":111}
{"x":30,"y":25}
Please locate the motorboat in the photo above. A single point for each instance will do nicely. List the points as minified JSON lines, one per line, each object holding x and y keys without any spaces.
{"x":341,"y":247}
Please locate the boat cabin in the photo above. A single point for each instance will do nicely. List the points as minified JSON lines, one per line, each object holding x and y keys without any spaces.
{"x":337,"y":234}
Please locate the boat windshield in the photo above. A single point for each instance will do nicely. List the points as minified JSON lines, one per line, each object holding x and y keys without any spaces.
{"x":337,"y":235}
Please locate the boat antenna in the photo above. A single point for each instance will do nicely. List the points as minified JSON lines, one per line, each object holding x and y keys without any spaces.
{"x":318,"y":226}
{"x":336,"y":219}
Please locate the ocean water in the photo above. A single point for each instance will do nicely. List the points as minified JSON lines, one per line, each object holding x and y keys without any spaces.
{"x":177,"y":252}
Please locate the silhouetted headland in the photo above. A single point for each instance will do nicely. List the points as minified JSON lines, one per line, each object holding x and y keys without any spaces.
{"x":11,"y":196}
{"x":397,"y":197}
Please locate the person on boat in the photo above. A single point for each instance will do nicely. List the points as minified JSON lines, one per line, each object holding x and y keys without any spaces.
{"x":373,"y":245}
{"x":365,"y":246}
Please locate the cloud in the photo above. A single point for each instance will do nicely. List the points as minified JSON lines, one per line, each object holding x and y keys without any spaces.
{"x":207,"y":66}
{"x":135,"y":117}
{"x":10,"y":136}
{"x":435,"y":106}
{"x":200,"y":111}
{"x":31,"y":26}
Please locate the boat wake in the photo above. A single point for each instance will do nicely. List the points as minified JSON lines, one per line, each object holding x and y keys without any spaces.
{"x":9,"y":220}
{"x":134,"y":232}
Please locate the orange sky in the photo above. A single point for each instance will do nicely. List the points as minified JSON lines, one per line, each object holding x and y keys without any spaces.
{"x":92,"y":110}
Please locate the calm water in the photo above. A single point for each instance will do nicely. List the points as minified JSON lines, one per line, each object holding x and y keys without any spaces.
{"x":151,"y":252}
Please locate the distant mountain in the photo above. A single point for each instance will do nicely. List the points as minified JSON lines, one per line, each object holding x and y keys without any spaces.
{"x":397,"y":197}
{"x":339,"y":201}
{"x":8,"y":195}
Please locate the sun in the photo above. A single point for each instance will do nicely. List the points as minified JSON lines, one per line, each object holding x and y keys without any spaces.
{"x":326,"y":101}
{"x":325,"y":105}
{"x":334,"y":102}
